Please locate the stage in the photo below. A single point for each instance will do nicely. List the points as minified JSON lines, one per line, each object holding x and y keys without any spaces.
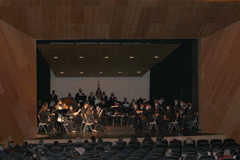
{"x":112,"y":133}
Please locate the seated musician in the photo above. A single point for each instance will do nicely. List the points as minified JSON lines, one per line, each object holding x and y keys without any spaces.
{"x":188,"y":115}
{"x":70,"y":118}
{"x":133,"y":117}
{"x":168,"y":117}
{"x":148,"y":114}
{"x":43,"y":114}
{"x":87,"y":115}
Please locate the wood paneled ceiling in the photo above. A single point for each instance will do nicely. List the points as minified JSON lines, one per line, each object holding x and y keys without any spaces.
{"x":91,"y":58}
{"x":119,"y":19}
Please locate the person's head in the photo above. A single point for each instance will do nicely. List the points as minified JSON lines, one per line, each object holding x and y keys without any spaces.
{"x":80,"y":90}
{"x":53,"y":92}
{"x":1,"y":147}
{"x":45,"y":104}
{"x":103,"y":93}
{"x":59,"y":102}
{"x":189,"y":140}
{"x":133,"y":138}
{"x":103,"y":102}
{"x":93,"y":138}
{"x":169,"y":152}
{"x":71,"y":108}
{"x":162,"y":99}
{"x":120,"y":139}
{"x":56,"y":144}
{"x":112,"y":94}
{"x":69,"y":142}
{"x":159,"y":138}
{"x":156,"y":104}
{"x":142,"y":106}
{"x":10,"y":144}
{"x":190,"y":104}
{"x":69,"y":94}
{"x":135,"y":106}
{"x":41,"y":142}
{"x":91,"y":93}
{"x":227,"y":151}
{"x":86,"y":105}
{"x":85,"y":142}
{"x":100,"y":141}
{"x":16,"y":148}
{"x":168,"y":108}
{"x":125,"y":99}
{"x":216,"y":151}
{"x":175,"y":101}
{"x":25,"y":144}
{"x":68,"y":157}
{"x":107,"y":147}
{"x":148,"y":107}
{"x":78,"y":140}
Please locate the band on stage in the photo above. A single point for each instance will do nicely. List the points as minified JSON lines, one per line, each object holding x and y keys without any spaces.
{"x":103,"y":111}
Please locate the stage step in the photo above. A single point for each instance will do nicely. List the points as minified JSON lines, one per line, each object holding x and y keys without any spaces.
{"x":119,"y":130}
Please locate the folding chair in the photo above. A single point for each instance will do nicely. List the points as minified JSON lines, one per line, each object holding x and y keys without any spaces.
{"x":151,"y":124}
{"x":41,"y":125}
{"x":193,"y":123}
{"x":171,"y":125}
{"x":86,"y":124}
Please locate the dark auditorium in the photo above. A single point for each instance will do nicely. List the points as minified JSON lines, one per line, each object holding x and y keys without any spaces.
{"x":119,"y":79}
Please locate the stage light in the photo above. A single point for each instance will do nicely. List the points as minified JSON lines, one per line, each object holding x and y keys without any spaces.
{"x":106,"y":57}
{"x":131,"y":57}
{"x":81,"y":57}
{"x":61,"y":72}
{"x":120,"y":72}
{"x":81,"y":72}
{"x":55,"y":57}
{"x":101,"y":72}
{"x":138,"y":72}
{"x":156,"y":57}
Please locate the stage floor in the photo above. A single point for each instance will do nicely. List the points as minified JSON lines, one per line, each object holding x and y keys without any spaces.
{"x":112,"y":136}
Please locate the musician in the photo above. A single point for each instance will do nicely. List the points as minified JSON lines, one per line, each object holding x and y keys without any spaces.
{"x":70,"y":96}
{"x":53,"y":98}
{"x":96,"y":113}
{"x":125,"y":102}
{"x":104,"y":97}
{"x":149,"y":116}
{"x":176,"y":106}
{"x":133,"y":117}
{"x":70,"y":118}
{"x":80,"y":97}
{"x":58,"y":106}
{"x":98,"y":93}
{"x":87,"y":115}
{"x":168,"y":117}
{"x":43,"y":115}
{"x":91,"y":99}
{"x":142,"y":107}
{"x":112,"y":99}
{"x":187,"y":116}
{"x":162,"y":102}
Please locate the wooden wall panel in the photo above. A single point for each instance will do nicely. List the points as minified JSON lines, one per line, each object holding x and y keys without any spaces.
{"x":220,"y":82}
{"x":17,"y":85}
{"x":123,"y":19}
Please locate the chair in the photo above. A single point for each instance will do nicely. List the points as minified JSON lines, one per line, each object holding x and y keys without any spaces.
{"x":171,"y":125}
{"x":193,"y":123}
{"x":41,"y":125}
{"x":151,"y":124}
{"x":85,"y":124}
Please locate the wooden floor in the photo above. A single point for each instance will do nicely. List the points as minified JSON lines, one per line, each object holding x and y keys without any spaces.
{"x":112,"y":136}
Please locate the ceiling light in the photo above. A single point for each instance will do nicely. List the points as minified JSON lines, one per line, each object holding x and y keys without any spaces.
{"x":131,"y":57}
{"x":81,"y":72}
{"x":156,"y":57}
{"x":138,"y":71}
{"x":120,"y":72}
{"x":81,"y":57}
{"x":106,"y":57}
{"x":61,"y":72}
{"x":101,"y":72}
{"x":55,"y":57}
